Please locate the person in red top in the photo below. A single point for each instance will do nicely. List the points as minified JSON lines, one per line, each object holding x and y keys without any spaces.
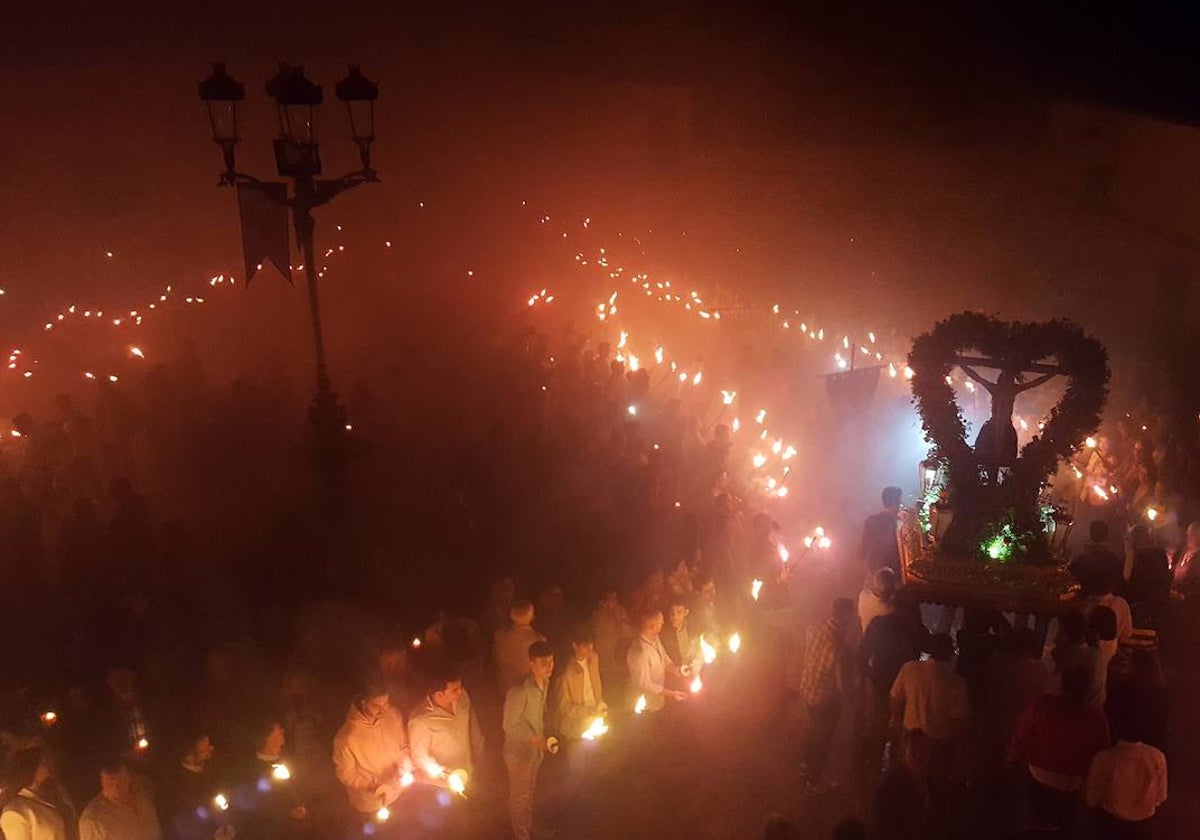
{"x":1056,"y":739}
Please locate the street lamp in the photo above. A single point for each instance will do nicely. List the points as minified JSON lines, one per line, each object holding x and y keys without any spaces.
{"x":359,"y":93}
{"x":297,"y":157}
{"x":221,"y":93}
{"x":296,"y":98}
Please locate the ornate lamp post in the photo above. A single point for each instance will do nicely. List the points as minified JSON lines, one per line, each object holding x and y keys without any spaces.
{"x":297,"y":157}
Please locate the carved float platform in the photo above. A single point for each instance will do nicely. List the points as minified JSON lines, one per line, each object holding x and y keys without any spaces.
{"x":932,"y":577}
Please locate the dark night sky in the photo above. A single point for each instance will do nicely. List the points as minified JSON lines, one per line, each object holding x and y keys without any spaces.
{"x":106,"y":145}
{"x":1138,"y":57}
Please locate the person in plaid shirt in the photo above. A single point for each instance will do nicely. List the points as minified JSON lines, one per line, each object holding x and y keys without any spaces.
{"x":822,"y":685}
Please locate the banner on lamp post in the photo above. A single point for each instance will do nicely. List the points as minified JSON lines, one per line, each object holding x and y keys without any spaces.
{"x":264,"y":212}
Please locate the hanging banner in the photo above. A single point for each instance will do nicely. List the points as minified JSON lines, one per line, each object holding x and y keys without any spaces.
{"x":264,"y":212}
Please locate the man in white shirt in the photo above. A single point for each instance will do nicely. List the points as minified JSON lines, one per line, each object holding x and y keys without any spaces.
{"x":121,"y":811}
{"x":649,"y":664}
{"x":443,"y":732}
{"x":370,"y":752}
{"x":1125,"y":784}
{"x":877,"y":599}
{"x":929,"y":696}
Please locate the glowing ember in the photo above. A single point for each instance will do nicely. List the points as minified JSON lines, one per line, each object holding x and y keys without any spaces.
{"x":1090,"y":443}
{"x":416,"y":642}
{"x":142,"y":744}
{"x":49,"y":718}
{"x":1151,"y":514}
{"x":221,"y":801}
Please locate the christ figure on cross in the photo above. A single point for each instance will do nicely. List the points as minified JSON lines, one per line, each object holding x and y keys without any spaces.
{"x":996,"y":445}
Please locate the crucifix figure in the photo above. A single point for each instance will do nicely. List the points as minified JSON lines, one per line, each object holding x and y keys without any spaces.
{"x":996,"y":445}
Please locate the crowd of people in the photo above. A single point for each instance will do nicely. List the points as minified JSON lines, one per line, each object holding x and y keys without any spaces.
{"x":125,"y":719}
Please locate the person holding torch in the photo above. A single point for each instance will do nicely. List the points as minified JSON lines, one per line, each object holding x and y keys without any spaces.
{"x":579,"y":702}
{"x":370,"y":752}
{"x":525,"y":741}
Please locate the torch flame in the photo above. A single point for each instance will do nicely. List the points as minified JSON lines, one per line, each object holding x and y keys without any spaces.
{"x":707,"y":651}
{"x":596,"y":728}
{"x":696,"y":685}
{"x":406,"y":779}
{"x":280,"y":772}
{"x":640,"y":705}
{"x":755,"y":588}
{"x":383,"y":814}
{"x":784,"y":554}
{"x":457,"y":781}
{"x":221,"y":801}
{"x":735,"y":642}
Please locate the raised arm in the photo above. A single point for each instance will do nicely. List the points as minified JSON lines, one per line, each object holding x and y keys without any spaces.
{"x":971,"y":373}
{"x":1041,"y":380}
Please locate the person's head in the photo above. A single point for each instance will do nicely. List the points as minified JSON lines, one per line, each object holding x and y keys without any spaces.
{"x":844,"y":614}
{"x":30,"y":768}
{"x":940,"y":647}
{"x":651,"y":623}
{"x":373,"y":699}
{"x":583,"y":641}
{"x":1141,"y":538}
{"x":891,"y":498}
{"x":706,"y":589}
{"x":541,"y":661}
{"x":446,"y":690}
{"x":1072,"y":629}
{"x":122,"y":685}
{"x":1075,"y":683}
{"x":1103,"y":622}
{"x":521,"y":613}
{"x":1098,"y":531}
{"x":269,"y":738}
{"x":883,"y":583}
{"x":1024,"y":642}
{"x":198,"y":749}
{"x":677,"y":613}
{"x":116,"y":783}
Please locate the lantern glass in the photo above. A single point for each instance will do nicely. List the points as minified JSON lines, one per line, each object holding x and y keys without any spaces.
{"x":362,"y":119}
{"x":222,"y":114}
{"x":298,"y":123}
